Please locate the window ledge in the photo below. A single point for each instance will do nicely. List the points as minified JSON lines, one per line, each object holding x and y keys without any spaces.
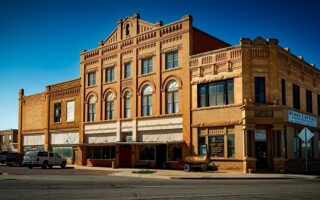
{"x":216,"y":107}
{"x":107,"y":83}
{"x":171,"y":69}
{"x":147,"y":74}
{"x":55,"y":123}
{"x":126,"y":79}
{"x":92,"y":86}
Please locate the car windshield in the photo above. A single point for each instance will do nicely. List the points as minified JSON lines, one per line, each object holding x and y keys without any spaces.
{"x":12,"y":155}
{"x":3,"y":153}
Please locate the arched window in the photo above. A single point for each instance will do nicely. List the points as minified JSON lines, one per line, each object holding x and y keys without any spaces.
{"x":92,"y":109}
{"x":172,"y":99}
{"x":109,"y":109}
{"x":147,"y":100}
{"x":127,"y":29}
{"x":127,"y":105}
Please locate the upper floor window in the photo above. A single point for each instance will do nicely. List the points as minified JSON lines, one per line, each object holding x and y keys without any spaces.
{"x":127,"y":71}
{"x":146,"y":66}
{"x":216,"y":93}
{"x":127,"y":105}
{"x":309,"y":101}
{"x":259,"y":90}
{"x":172,"y":59}
{"x":147,"y":100}
{"x":172,"y":98}
{"x":109,"y":107}
{"x":70,"y":111}
{"x":283,"y":91}
{"x":92,"y":109}
{"x":127,"y":29}
{"x":57,"y":112}
{"x":109,"y":74}
{"x":91,"y":78}
{"x":296,"y":96}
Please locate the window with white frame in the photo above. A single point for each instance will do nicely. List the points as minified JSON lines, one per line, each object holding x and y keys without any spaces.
{"x":127,"y":105}
{"x":70,"y":111}
{"x":172,"y":99}
{"x":109,"y":106}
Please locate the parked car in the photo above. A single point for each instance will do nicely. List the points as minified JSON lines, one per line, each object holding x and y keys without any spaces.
{"x":43,"y":159}
{"x":14,"y":159}
{"x":3,"y":155}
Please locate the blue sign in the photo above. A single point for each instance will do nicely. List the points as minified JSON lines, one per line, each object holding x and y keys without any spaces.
{"x":303,"y":119}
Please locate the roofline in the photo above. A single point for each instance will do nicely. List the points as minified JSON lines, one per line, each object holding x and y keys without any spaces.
{"x":211,"y":35}
{"x":64,"y":82}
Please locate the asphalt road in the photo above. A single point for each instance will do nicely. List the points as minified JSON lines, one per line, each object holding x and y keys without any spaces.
{"x":87,"y":184}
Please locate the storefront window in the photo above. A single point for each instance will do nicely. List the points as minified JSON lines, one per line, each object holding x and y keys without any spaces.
{"x":202,"y":145}
{"x":65,"y":152}
{"x":174,"y":152}
{"x":147,"y":153}
{"x":297,"y":147}
{"x":103,"y":152}
{"x":216,"y":144}
{"x":231,"y":151}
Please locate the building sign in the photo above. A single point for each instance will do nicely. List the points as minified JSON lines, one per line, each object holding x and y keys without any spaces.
{"x":217,"y":146}
{"x":303,"y":119}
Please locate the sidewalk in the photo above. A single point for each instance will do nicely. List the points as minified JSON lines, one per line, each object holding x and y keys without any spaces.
{"x":180,"y":174}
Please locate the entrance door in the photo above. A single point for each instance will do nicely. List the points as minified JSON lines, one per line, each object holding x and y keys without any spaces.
{"x":261,"y":149}
{"x":125,"y":156}
{"x":161,"y":155}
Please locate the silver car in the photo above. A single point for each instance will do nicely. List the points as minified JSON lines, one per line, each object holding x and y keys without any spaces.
{"x":43,"y":159}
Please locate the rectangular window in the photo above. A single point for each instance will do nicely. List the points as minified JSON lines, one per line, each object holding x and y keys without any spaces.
{"x":216,"y":144}
{"x":216,"y":93}
{"x":283,"y":91}
{"x":103,"y":152}
{"x":92,"y":112}
{"x":127,"y":107}
{"x":231,"y":147}
{"x":260,"y":91}
{"x":309,"y":101}
{"x":296,"y":96}
{"x":127,"y":70}
{"x":110,"y":110}
{"x":109,"y":74}
{"x":92,"y":79}
{"x":174,"y":152}
{"x":202,"y":145}
{"x":146,"y":105}
{"x":146,"y":67}
{"x":172,"y":60}
{"x":57,"y":112}
{"x":70,"y":111}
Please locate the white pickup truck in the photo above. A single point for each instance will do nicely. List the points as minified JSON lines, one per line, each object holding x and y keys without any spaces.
{"x":43,"y":159}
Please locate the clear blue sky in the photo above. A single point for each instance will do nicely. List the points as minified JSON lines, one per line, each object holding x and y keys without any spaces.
{"x":40,"y":40}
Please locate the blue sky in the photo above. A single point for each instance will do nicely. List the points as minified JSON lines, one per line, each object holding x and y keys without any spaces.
{"x":40,"y":40}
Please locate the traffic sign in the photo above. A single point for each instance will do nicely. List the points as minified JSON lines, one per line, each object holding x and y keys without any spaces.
{"x":305,"y":135}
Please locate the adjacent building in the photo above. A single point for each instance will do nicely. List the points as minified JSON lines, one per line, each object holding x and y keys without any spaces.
{"x":8,"y":140}
{"x":51,"y":120}
{"x":151,"y":94}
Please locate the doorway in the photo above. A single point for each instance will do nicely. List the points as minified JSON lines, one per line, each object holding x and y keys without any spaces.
{"x":161,"y":155}
{"x":125,"y":156}
{"x":261,"y":149}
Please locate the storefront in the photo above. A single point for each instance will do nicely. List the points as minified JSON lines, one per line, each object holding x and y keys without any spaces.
{"x":65,"y":144}
{"x":34,"y":142}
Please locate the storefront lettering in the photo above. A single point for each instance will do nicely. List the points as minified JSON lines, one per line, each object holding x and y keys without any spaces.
{"x":303,"y":119}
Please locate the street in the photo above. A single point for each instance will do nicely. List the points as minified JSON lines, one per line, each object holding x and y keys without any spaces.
{"x":37,"y":183}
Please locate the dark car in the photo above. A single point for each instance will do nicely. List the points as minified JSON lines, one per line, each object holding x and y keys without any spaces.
{"x":3,"y":155}
{"x":14,"y":159}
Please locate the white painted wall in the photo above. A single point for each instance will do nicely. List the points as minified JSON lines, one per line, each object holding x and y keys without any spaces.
{"x":37,"y":139}
{"x":174,"y":135}
{"x":101,"y":138}
{"x":64,"y":138}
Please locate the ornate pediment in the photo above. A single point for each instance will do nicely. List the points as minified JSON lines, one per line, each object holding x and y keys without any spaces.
{"x":259,"y":41}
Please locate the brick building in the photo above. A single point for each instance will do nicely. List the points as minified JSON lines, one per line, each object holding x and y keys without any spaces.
{"x":51,"y":120}
{"x":151,"y":94}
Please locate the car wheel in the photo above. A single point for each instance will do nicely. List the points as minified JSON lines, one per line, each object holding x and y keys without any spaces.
{"x":30,"y":166}
{"x":45,"y":165}
{"x":187,"y":168}
{"x":63,"y":165}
